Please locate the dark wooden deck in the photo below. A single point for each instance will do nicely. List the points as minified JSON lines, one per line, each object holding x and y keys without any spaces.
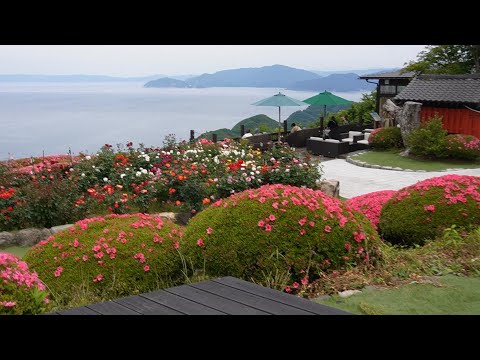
{"x":223,"y":296}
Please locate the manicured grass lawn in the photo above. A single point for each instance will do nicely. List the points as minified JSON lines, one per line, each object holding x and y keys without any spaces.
{"x":456,"y":295}
{"x":16,"y":250}
{"x":393,"y":159}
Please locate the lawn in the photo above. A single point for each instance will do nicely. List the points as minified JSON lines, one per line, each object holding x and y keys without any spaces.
{"x":454,"y":295}
{"x":16,"y":250}
{"x":393,"y":159}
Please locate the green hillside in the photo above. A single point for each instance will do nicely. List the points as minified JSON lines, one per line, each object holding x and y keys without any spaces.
{"x":255,"y":122}
{"x":303,"y":118}
{"x":221,"y":134}
{"x":260,"y":122}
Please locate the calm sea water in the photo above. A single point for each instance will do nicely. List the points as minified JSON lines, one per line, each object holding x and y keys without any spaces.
{"x":50,"y":117}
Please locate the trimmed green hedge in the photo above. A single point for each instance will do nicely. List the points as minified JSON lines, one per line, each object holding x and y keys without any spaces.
{"x":278,"y":231}
{"x":422,"y":211}
{"x":109,"y":257}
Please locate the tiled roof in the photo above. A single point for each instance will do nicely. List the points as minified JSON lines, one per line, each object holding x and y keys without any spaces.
{"x":389,"y":75}
{"x":443,"y":88}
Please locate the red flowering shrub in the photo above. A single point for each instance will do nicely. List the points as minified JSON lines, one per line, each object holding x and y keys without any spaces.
{"x":21,"y":291}
{"x":462,"y":147}
{"x":109,"y":257}
{"x":278,"y":228}
{"x":371,"y":204}
{"x":422,"y":211}
{"x":386,"y":138}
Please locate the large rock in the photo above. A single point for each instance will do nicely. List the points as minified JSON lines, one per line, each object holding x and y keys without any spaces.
{"x":56,"y":229}
{"x":329,"y":187}
{"x":31,"y":236}
{"x":409,"y":118}
{"x":178,"y":218}
{"x":6,"y":238}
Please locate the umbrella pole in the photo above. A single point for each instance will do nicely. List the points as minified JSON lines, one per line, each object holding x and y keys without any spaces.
{"x":325,"y":111}
{"x":279,"y":124}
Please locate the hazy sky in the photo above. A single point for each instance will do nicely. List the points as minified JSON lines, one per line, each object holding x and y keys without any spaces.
{"x":140,"y":60}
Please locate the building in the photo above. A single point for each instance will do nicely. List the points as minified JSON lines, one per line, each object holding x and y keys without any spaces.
{"x":454,"y":97}
{"x":389,"y":85}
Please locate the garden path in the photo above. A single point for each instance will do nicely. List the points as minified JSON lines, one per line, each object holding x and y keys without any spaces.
{"x":356,"y":180}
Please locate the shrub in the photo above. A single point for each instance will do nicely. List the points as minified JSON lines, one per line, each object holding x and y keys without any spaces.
{"x":429,"y":139}
{"x":108,"y":257}
{"x":371,"y":204}
{"x":422,"y":211}
{"x":21,"y":291}
{"x":386,"y":138}
{"x":459,"y":146}
{"x":278,"y":229}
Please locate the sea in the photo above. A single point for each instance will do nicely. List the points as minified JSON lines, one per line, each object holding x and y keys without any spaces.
{"x":55,"y":118}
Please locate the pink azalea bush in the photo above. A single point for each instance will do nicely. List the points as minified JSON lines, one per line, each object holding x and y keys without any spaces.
{"x":21,"y":291}
{"x":109,"y":257}
{"x":278,"y":229}
{"x":422,"y":211}
{"x":460,"y":146}
{"x":371,"y":204}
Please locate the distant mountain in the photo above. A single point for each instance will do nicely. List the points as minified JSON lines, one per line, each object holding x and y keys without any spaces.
{"x":304,"y":118}
{"x":334,"y":82}
{"x":167,"y":83}
{"x":182,"y":77}
{"x":268,"y":76}
{"x":74,"y":78}
{"x":359,"y":72}
{"x":221,"y":134}
{"x":255,"y":122}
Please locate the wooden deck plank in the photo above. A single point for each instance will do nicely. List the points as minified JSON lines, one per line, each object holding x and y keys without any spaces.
{"x":112,"y":308}
{"x":145,"y":306}
{"x":79,"y":311}
{"x":181,"y":304}
{"x":278,"y":296}
{"x":227,"y":306}
{"x":249,"y":299}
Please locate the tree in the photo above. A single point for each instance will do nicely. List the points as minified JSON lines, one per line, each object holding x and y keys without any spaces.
{"x":447,"y":59}
{"x":358,"y":110}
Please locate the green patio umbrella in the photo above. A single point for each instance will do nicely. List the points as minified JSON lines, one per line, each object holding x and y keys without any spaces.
{"x":279,"y":100}
{"x":326,"y":98}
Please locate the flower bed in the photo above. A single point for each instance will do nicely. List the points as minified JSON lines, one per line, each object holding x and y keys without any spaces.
{"x":184,"y":175}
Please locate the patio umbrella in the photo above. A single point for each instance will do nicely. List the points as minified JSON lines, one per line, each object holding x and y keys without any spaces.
{"x":279,"y":100}
{"x":326,"y":98}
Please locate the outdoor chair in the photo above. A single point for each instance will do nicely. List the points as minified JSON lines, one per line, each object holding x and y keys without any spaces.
{"x":327,"y":147}
{"x":298,"y":139}
{"x":261,"y":142}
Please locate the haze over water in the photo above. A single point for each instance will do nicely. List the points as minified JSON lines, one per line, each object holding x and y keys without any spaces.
{"x":52,"y":117}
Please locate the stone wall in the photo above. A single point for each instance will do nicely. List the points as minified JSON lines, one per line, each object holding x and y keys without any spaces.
{"x":32,"y":236}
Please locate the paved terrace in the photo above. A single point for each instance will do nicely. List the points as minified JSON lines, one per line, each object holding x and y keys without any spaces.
{"x":356,"y":180}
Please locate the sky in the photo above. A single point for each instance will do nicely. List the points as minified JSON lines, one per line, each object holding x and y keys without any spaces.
{"x":144,"y":60}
